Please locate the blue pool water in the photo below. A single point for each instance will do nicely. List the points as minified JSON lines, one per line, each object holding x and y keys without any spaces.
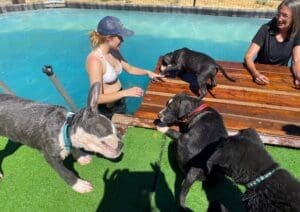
{"x":59,"y":37}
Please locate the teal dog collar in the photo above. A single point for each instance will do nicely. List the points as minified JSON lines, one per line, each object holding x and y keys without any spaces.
{"x":260,"y":179}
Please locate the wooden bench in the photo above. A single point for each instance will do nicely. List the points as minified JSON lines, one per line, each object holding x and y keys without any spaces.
{"x":273,"y":110}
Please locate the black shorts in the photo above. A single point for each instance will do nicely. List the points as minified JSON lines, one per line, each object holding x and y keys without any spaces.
{"x":109,"y":109}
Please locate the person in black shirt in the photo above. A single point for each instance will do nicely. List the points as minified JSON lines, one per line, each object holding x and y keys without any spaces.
{"x":276,"y":42}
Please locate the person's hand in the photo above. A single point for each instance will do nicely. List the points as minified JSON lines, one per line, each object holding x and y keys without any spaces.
{"x":155,"y":77}
{"x":261,"y":79}
{"x":297,"y":83}
{"x":135,"y":92}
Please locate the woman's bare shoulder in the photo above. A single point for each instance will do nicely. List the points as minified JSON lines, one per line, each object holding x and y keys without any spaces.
{"x":92,"y":55}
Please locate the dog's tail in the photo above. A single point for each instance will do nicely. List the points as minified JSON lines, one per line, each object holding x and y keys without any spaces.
{"x":224,"y":73}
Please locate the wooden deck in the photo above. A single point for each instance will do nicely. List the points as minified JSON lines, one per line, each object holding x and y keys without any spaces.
{"x":273,"y":110}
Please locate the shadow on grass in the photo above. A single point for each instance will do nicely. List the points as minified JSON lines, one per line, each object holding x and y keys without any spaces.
{"x":131,"y":191}
{"x":10,"y":148}
{"x":218,"y":189}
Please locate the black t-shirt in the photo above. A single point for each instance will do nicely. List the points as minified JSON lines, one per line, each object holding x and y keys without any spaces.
{"x":272,"y":51}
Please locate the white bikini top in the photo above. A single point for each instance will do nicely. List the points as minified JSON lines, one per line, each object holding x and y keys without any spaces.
{"x":111,"y":73}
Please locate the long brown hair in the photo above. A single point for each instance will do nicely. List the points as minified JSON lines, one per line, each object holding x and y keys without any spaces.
{"x":294,"y":5}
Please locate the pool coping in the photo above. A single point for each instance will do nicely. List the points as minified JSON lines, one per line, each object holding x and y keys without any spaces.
{"x":216,"y":11}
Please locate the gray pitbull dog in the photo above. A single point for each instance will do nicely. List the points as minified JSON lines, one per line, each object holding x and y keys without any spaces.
{"x":202,"y":129}
{"x":185,"y":60}
{"x":56,"y":133}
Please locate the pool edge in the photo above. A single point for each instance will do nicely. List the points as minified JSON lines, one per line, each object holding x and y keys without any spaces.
{"x":147,"y":8}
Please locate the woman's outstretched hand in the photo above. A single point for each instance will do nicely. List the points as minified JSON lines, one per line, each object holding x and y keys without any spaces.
{"x":155,"y":77}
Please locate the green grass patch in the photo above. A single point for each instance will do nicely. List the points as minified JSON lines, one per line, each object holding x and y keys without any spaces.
{"x":30,"y":184}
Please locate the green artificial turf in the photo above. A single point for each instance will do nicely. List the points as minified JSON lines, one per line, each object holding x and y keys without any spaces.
{"x":143,"y":178}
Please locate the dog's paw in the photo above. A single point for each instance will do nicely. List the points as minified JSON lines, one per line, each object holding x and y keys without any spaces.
{"x":163,"y":129}
{"x":82,"y":186}
{"x":1,"y":176}
{"x":84,"y":159}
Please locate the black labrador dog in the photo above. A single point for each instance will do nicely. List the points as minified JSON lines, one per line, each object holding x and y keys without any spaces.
{"x":243,"y":158}
{"x":202,"y":128}
{"x":186,"y":60}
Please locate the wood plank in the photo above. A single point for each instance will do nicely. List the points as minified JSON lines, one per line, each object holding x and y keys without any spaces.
{"x":232,"y":121}
{"x":278,"y":82}
{"x":236,"y":108}
{"x":260,"y":67}
{"x":127,"y":120}
{"x":237,"y":93}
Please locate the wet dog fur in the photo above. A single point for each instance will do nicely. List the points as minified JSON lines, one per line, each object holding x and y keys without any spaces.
{"x":40,"y":126}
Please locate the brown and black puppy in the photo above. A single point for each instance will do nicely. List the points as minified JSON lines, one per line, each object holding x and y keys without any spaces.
{"x":186,"y":60}
{"x":243,"y":158}
{"x":196,"y":141}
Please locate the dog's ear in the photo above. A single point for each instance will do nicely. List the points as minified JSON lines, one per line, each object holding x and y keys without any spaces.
{"x":251,"y":135}
{"x":92,"y":104}
{"x":185,"y":107}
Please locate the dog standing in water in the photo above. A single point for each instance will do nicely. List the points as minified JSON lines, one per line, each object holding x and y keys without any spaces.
{"x":56,"y":133}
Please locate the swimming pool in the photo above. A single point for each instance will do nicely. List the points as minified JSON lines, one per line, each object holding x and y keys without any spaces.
{"x":59,"y":37}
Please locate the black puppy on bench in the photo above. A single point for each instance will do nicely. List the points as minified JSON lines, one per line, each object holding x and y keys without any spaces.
{"x":55,"y":132}
{"x":203,"y":127}
{"x":185,"y":60}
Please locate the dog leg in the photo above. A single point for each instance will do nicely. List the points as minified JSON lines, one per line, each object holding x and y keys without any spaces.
{"x":82,"y":157}
{"x":169,"y":132}
{"x":9,"y":149}
{"x":192,"y":175}
{"x":202,"y":90}
{"x":213,"y":81}
{"x":173,"y":134}
{"x":77,"y":184}
{"x":202,"y":80}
